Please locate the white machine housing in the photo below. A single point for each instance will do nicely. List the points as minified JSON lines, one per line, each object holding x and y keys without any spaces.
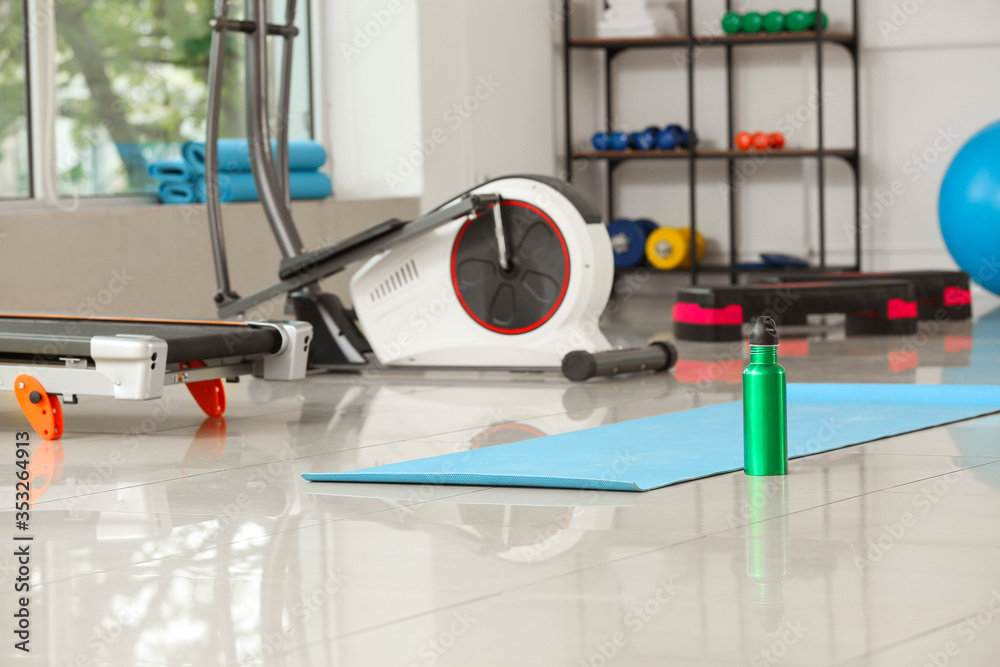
{"x":408,"y":309}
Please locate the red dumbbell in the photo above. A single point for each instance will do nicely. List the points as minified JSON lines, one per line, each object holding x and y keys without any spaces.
{"x":761,"y":141}
{"x":776,"y":140}
{"x":743,"y":141}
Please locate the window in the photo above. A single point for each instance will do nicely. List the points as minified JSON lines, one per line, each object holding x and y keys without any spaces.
{"x":15,"y":168}
{"x":124,"y":83}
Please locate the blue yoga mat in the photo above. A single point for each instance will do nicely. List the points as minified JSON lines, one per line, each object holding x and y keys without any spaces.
{"x":658,"y":451}
{"x":234,"y":155}
{"x":241,"y":187}
{"x":176,"y":193}
{"x":171,"y":171}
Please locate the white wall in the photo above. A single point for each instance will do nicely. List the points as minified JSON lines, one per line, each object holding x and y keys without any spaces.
{"x":367,"y":52}
{"x":489,"y":94}
{"x":447,"y":94}
{"x":930,"y":76}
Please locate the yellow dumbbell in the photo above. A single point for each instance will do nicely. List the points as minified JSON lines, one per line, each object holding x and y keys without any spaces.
{"x":699,"y":246}
{"x":668,"y":248}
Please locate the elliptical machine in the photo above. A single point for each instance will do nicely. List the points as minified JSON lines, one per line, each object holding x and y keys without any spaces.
{"x":512,"y":274}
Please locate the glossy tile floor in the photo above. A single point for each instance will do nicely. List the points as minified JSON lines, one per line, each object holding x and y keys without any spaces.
{"x":165,"y":539}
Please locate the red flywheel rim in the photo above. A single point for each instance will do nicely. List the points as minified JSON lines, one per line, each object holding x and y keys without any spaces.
{"x":562,"y":293}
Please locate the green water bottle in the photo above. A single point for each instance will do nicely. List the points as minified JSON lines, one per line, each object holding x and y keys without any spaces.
{"x":765,"y":424}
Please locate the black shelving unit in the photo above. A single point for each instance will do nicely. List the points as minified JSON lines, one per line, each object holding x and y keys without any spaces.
{"x":690,"y":42}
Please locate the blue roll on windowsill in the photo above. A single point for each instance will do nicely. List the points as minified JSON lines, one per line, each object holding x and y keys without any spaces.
{"x":241,"y":187}
{"x":171,"y":171}
{"x":176,"y":193}
{"x":234,"y":155}
{"x":658,"y":451}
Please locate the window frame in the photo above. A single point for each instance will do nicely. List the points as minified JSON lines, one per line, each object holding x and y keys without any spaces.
{"x":28,"y":65}
{"x":39,"y":36}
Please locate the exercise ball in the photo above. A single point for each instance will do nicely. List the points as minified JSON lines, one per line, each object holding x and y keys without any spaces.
{"x":969,"y":208}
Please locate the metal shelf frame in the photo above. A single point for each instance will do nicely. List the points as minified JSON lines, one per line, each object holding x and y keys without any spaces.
{"x":690,"y":42}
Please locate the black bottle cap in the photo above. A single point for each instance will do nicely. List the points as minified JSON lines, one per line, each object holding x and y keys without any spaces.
{"x":764,"y":332}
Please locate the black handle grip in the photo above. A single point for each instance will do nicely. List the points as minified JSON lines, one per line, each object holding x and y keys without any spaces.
{"x":579,"y":365}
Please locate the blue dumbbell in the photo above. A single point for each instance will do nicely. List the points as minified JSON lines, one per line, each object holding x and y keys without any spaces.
{"x":782,"y":260}
{"x":678,"y":133}
{"x":600,"y":141}
{"x":666,"y":141}
{"x":618,"y":141}
{"x":628,"y":240}
{"x":689,"y":139}
{"x":641,"y":141}
{"x":648,"y":226}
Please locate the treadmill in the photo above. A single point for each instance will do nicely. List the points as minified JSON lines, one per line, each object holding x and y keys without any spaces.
{"x":45,"y":357}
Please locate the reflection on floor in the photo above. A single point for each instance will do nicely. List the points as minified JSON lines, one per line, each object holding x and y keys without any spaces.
{"x":163,"y":539}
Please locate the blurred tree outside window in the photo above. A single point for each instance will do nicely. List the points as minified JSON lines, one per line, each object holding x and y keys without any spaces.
{"x":15,"y":167}
{"x":131,"y":87}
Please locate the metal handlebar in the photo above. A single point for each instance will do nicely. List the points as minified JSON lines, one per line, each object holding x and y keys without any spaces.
{"x":272,"y":181}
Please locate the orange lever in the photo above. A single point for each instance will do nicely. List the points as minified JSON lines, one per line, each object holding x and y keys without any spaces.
{"x":43,"y":410}
{"x":210,"y":395}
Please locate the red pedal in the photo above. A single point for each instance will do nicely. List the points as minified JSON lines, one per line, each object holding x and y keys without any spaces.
{"x":43,"y":411}
{"x":210,"y":395}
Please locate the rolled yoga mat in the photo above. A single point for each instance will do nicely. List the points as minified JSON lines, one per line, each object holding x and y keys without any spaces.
{"x":176,"y":193}
{"x":234,"y":155}
{"x":658,"y":451}
{"x":241,"y":187}
{"x":171,"y":171}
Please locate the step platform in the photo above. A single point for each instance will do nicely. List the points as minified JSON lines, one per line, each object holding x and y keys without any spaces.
{"x":871,"y":306}
{"x":941,"y":295}
{"x":886,"y":360}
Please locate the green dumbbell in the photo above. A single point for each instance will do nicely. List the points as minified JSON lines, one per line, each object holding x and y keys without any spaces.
{"x":752,"y":22}
{"x":797,"y":21}
{"x":731,"y":23}
{"x":812,"y":20}
{"x":774,"y":22}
